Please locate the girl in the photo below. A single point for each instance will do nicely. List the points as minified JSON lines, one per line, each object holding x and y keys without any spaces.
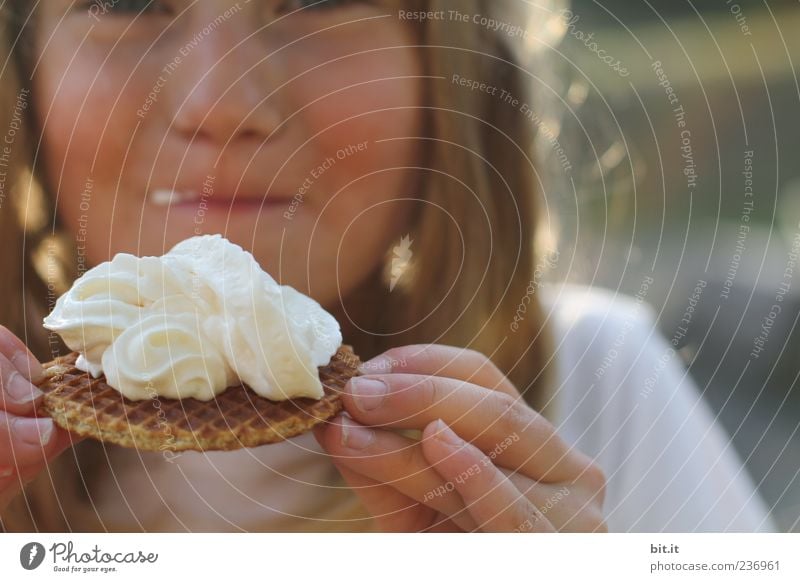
{"x":373,"y":155}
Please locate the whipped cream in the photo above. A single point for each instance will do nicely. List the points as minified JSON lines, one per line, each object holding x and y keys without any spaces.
{"x":202,"y":317}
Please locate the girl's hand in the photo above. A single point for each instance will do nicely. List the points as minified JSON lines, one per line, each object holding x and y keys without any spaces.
{"x":27,"y":443}
{"x":486,"y":460}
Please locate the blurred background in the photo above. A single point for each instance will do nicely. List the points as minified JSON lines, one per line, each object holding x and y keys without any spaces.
{"x":690,"y":175}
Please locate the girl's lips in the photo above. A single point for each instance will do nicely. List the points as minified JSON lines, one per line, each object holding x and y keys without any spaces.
{"x":229,"y":203}
{"x":178,"y":199}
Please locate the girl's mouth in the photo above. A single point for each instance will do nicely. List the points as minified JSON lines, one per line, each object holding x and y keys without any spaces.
{"x":165,"y":197}
{"x":216,"y":201}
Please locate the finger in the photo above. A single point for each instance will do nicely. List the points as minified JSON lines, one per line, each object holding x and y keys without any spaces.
{"x":26,"y":441}
{"x":444,"y":525}
{"x":62,"y":439}
{"x":13,"y":479}
{"x":393,"y":460}
{"x":440,"y":360}
{"x":570,"y":507}
{"x":514,"y":434}
{"x":492,"y":500}
{"x":17,"y":395}
{"x":19,"y":355}
{"x":391,"y":510}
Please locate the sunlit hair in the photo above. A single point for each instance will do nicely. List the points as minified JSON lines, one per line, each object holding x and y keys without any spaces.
{"x":11,"y":283}
{"x":469,"y":279}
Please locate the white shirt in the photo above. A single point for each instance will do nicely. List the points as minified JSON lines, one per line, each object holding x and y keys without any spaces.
{"x":669,"y":464}
{"x":625,"y":399}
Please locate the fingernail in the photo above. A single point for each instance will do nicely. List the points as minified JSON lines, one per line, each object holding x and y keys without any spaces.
{"x":446,"y":435}
{"x":20,"y":390}
{"x":368,"y":393}
{"x":355,"y":436}
{"x":6,"y":472}
{"x":28,"y":366}
{"x":377,"y":365}
{"x":33,"y":431}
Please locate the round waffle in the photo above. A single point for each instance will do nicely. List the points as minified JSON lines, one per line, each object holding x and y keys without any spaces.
{"x":236,"y":418}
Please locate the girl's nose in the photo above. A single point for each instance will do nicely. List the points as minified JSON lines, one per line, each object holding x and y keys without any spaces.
{"x":222,"y":89}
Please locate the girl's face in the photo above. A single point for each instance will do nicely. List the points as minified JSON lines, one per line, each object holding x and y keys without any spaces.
{"x":284,"y":125}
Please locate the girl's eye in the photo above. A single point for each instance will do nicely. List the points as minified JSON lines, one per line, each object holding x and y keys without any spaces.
{"x":292,"y":5}
{"x":126,"y":7}
{"x":98,"y":8}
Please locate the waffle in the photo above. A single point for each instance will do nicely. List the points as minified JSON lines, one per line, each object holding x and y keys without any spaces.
{"x":236,"y":418}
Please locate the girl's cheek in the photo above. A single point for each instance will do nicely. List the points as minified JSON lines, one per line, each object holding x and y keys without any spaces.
{"x":352,"y":108}
{"x":91,"y":108}
{"x":343,"y":76}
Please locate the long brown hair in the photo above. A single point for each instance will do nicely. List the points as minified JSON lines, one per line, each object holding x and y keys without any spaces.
{"x":10,"y":228}
{"x":470,"y":275}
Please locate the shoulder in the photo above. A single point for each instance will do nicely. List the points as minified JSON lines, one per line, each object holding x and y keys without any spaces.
{"x":603,"y":342}
{"x":624,"y":397}
{"x":601,"y":337}
{"x":595,"y":309}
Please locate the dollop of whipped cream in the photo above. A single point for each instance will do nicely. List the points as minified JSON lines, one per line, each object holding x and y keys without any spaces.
{"x":202,"y":317}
